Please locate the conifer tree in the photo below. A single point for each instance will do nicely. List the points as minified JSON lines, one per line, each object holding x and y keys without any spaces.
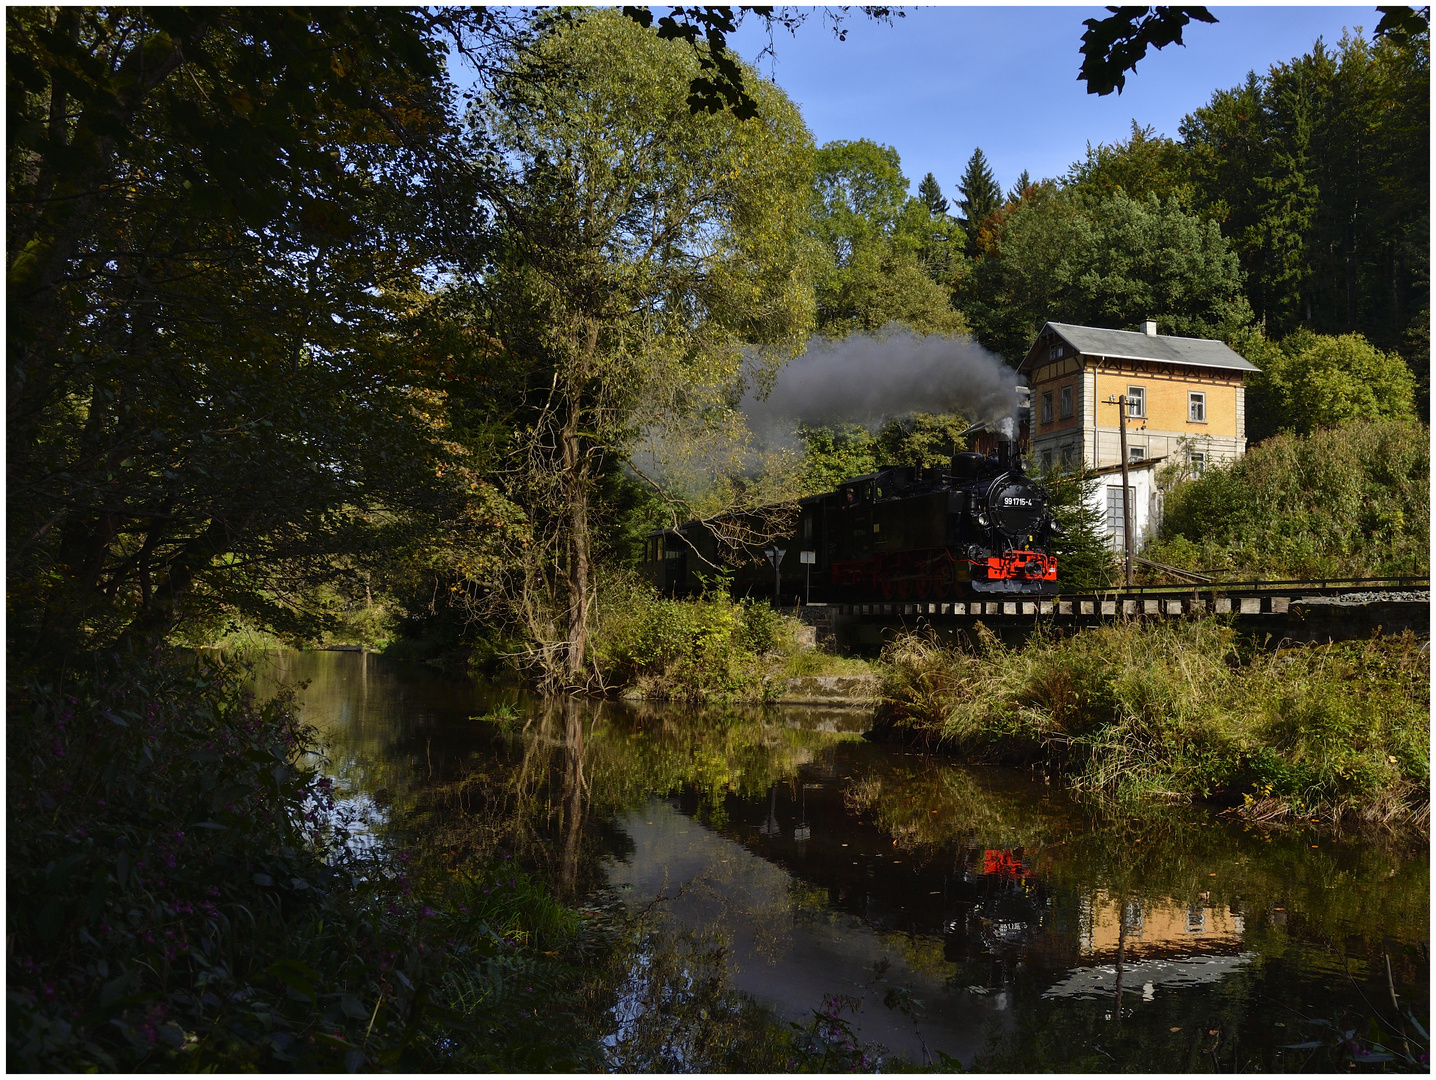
{"x":980,"y":194}
{"x":1085,"y":559}
{"x":1023,"y":183}
{"x":931,"y":194}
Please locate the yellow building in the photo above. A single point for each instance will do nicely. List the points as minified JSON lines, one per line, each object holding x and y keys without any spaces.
{"x":1185,"y":397}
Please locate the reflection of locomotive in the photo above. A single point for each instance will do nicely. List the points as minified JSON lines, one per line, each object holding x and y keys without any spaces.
{"x":981,"y":526}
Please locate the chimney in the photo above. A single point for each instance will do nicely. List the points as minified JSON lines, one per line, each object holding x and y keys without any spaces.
{"x":1149,"y":327}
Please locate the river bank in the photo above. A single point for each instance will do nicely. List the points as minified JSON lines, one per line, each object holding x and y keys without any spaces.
{"x":1191,"y":710}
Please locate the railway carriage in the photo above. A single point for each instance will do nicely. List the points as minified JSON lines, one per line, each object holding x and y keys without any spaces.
{"x":980,"y":526}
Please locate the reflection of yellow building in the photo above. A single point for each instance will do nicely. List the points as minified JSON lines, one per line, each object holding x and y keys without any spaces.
{"x":1154,"y":928}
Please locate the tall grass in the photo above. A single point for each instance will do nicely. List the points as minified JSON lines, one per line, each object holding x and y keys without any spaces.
{"x":1180,"y":710}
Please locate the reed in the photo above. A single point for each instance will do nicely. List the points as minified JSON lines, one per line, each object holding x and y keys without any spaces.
{"x":1183,"y":710}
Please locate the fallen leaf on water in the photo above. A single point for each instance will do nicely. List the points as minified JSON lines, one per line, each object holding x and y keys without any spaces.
{"x":1174,"y":1029}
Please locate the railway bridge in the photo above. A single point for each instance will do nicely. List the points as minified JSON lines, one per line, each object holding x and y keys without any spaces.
{"x":1330,"y":610}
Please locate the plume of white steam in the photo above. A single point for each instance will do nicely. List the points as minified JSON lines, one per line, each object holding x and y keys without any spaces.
{"x":864,"y":378}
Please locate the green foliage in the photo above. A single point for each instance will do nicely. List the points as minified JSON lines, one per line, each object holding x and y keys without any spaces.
{"x":697,"y":650}
{"x":1348,"y":501}
{"x":881,"y":286}
{"x":198,"y":418}
{"x":1146,"y":165}
{"x":1084,"y":556}
{"x":638,"y":249}
{"x":859,"y":191}
{"x":892,"y":258}
{"x":835,"y":453}
{"x":980,"y":195}
{"x":185,"y":893}
{"x":1310,"y":381}
{"x":1110,"y":261}
{"x":1130,"y":710}
{"x":1112,"y":46}
{"x":1319,"y":171}
{"x":1019,"y":187}
{"x":929,"y":192}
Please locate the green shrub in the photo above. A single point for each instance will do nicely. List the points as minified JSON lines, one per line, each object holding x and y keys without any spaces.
{"x":183,"y":895}
{"x":711,"y":647}
{"x":1350,"y":501}
{"x":1309,"y":381}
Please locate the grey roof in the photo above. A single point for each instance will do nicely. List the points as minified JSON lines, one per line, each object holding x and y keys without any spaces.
{"x":1130,"y":345}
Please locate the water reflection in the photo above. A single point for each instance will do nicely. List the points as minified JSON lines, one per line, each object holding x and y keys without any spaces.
{"x":1030,"y":933}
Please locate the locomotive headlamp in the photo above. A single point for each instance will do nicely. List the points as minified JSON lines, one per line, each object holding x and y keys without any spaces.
{"x":982,"y":520}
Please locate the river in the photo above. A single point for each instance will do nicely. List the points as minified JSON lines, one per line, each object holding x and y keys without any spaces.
{"x":971,"y":911}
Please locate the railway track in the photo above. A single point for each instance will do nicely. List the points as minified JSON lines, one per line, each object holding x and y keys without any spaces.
{"x":1328,"y":608}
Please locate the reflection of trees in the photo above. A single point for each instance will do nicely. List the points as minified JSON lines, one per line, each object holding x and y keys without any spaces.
{"x":931,"y":808}
{"x":550,"y":781}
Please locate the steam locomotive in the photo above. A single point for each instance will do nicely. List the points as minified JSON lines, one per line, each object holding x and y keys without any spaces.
{"x":979,"y":527}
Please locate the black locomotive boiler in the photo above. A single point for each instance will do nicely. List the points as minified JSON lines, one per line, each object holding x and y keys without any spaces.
{"x":981,"y":526}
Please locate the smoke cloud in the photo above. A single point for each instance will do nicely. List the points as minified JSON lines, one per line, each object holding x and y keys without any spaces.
{"x":863,"y":379}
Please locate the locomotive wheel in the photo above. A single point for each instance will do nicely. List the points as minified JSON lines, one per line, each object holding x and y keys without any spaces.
{"x":887,"y":589}
{"x":923,"y":587}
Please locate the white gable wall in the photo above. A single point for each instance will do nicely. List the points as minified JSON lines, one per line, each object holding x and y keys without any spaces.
{"x":1146,"y":502}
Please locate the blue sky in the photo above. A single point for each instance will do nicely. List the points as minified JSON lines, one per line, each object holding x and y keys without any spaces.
{"x":944,"y":80}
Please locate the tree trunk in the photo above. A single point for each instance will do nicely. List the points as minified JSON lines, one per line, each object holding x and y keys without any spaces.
{"x":159,"y":616}
{"x":578,"y":552}
{"x":572,"y":795}
{"x":576,"y":475}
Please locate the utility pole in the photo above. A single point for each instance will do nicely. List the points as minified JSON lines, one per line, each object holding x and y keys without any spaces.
{"x":1126,"y":488}
{"x":1121,"y":404}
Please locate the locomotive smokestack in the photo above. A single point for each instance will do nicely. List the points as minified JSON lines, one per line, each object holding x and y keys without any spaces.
{"x":1007,"y":451}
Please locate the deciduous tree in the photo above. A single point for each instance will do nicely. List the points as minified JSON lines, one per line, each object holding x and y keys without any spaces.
{"x":208,"y":211}
{"x":641,"y":251}
{"x":1107,"y":262}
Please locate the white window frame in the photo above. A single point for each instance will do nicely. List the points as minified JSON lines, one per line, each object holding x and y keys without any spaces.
{"x":1196,"y":407}
{"x":1137,"y":401}
{"x":1136,"y":454}
{"x":1047,"y":406}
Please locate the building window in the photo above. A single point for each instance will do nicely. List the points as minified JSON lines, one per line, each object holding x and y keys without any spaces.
{"x":1197,"y":408}
{"x":1056,"y":352}
{"x":1047,"y":407}
{"x":1199,"y":460}
{"x":1066,"y":402}
{"x":1116,"y":526}
{"x":1047,"y":460}
{"x":1136,"y":401}
{"x":1136,"y":453}
{"x":1066,"y":452}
